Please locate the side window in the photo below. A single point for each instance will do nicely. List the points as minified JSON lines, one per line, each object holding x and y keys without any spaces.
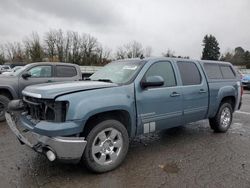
{"x":65,"y":71}
{"x":189,"y":72}
{"x":41,"y":71}
{"x":227,"y":72}
{"x":165,"y":70}
{"x":213,"y":71}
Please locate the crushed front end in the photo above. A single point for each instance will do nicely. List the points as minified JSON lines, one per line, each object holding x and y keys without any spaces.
{"x":41,"y":124}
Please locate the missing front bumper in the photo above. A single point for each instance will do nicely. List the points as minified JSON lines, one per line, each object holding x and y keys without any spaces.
{"x":65,"y":148}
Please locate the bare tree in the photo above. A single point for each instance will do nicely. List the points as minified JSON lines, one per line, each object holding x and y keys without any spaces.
{"x":73,"y":47}
{"x":15,"y":52}
{"x":76,"y":48}
{"x":103,"y":54}
{"x":50,"y":45}
{"x":169,"y":53}
{"x":9,"y":50}
{"x":89,"y":48}
{"x":106,"y":53}
{"x":2,"y":55}
{"x":60,"y":44}
{"x":33,"y":48}
{"x":134,"y":49}
{"x":120,"y":53}
{"x":131,"y":50}
{"x":67,"y":47}
{"x":57,"y":45}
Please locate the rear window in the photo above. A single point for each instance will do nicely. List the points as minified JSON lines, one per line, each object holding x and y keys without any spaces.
{"x":213,"y":71}
{"x":216,"y":71}
{"x":65,"y":71}
{"x":190,"y":74}
{"x":227,"y":72}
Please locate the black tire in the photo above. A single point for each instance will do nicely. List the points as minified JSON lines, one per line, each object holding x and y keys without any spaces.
{"x":4,"y":101}
{"x":89,"y":159}
{"x":216,"y":122}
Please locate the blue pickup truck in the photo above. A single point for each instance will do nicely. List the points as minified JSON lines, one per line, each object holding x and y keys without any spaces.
{"x":92,"y":120}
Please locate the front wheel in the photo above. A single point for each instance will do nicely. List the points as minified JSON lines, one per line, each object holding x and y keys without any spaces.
{"x":107,"y":146}
{"x":223,"y":119}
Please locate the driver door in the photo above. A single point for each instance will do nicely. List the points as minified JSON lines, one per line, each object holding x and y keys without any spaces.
{"x":38,"y":74}
{"x":160,"y":107}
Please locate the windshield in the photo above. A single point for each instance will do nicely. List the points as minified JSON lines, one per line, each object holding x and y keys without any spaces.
{"x":119,"y":72}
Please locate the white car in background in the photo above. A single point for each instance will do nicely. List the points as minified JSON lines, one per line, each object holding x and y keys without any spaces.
{"x":5,"y":68}
{"x":11,"y":71}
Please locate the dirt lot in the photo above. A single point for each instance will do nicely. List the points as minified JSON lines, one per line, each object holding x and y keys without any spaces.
{"x":189,"y":156}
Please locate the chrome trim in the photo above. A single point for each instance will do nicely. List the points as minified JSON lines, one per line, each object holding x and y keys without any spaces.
{"x":65,"y":148}
{"x":35,"y":95}
{"x":150,"y":118}
{"x":194,"y":110}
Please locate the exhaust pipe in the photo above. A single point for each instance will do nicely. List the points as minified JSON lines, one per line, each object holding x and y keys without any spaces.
{"x":50,"y":155}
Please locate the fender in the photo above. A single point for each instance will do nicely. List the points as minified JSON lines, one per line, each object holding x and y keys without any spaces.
{"x":83,"y":105}
{"x":226,"y":91}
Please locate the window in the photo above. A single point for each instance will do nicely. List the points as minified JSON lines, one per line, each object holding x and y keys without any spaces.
{"x":216,"y":71}
{"x":227,"y":72}
{"x":189,"y":72}
{"x":41,"y":71}
{"x":165,"y":70}
{"x":65,"y":71}
{"x":213,"y":71}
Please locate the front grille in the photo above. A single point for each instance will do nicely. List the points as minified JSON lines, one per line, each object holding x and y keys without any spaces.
{"x":45,"y":109}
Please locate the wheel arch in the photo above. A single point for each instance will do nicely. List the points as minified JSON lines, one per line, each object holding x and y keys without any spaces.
{"x":230,"y":99}
{"x":226,"y":93}
{"x":7,"y":92}
{"x":120,"y":115}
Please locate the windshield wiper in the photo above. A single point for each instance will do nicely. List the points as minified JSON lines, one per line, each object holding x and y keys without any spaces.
{"x":100,"y":80}
{"x":104,"y":80}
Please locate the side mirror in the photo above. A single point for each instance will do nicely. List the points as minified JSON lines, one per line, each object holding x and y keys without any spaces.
{"x":152,"y":81}
{"x":26,"y":75}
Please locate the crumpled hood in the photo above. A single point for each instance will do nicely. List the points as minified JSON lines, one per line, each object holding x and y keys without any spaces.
{"x":52,"y":90}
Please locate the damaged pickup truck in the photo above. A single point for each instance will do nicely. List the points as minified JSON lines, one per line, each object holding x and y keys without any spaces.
{"x":92,"y":121}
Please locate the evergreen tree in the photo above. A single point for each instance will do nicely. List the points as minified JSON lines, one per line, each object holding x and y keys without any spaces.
{"x":211,"y":50}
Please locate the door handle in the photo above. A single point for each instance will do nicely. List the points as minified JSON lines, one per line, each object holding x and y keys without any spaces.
{"x":175,"y":94}
{"x":202,"y":91}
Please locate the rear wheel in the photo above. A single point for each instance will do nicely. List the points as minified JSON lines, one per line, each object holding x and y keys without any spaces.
{"x":223,"y":119}
{"x":107,"y":146}
{"x":4,"y":101}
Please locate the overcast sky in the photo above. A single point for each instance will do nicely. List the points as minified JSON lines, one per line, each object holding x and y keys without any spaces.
{"x":179,"y":25}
